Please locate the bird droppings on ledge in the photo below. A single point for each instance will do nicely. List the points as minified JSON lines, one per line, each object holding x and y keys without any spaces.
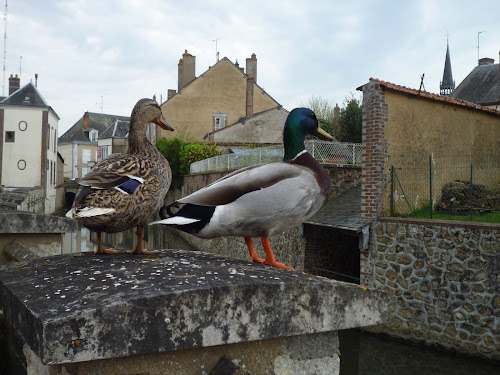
{"x":173,"y":300}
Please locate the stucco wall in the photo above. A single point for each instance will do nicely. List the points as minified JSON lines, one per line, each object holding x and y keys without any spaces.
{"x":27,"y":147}
{"x":402,"y":129}
{"x":222,"y":89}
{"x":264,"y":128}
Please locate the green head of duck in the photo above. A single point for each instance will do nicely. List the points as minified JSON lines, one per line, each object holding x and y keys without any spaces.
{"x":299,"y":123}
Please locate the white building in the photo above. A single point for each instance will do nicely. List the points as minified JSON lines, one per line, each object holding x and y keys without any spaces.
{"x":28,"y":142}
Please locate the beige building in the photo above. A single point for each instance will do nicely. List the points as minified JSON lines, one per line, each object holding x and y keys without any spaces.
{"x":403,"y":128}
{"x":222,"y":95}
{"x":79,"y":145}
{"x":28,"y":142}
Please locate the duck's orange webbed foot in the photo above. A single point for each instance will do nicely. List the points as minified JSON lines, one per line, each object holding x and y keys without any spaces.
{"x":138,"y":247}
{"x":101,"y":250}
{"x":270,"y":259}
{"x":253,"y":254}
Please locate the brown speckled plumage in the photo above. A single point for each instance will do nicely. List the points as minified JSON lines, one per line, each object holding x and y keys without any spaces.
{"x":142,"y":163}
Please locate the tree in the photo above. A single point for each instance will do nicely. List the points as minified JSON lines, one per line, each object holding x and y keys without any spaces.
{"x":325,"y":112}
{"x":350,"y":121}
{"x":181,"y":155}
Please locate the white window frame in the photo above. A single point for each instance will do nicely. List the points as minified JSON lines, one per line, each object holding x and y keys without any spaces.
{"x":219,"y":120}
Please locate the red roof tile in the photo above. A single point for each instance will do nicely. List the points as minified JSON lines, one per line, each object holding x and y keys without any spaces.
{"x":428,"y":95}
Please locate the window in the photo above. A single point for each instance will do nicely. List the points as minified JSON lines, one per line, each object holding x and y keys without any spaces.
{"x":104,"y":152}
{"x":85,"y":156}
{"x":219,"y":120}
{"x":93,"y":135}
{"x":10,"y":136}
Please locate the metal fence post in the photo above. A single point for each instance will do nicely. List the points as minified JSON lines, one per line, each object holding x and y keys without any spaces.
{"x":430,"y":182}
{"x":392,"y":190}
{"x":471,"y":192}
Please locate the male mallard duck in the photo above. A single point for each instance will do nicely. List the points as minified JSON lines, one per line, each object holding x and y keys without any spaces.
{"x":260,"y":200}
{"x":122,"y":192}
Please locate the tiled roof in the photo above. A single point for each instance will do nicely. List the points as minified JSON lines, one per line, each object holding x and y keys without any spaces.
{"x":98,"y":121}
{"x":26,"y":95}
{"x":481,"y":86}
{"x":431,"y":96}
{"x":119,"y":129}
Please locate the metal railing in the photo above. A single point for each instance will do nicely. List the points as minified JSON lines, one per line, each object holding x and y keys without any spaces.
{"x":324,"y":152}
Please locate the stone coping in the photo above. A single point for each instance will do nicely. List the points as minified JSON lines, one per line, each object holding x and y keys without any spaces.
{"x":443,"y":223}
{"x":81,"y":307}
{"x":27,"y":222}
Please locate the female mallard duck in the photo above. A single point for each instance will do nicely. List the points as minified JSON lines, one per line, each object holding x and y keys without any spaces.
{"x":122,"y":192}
{"x":260,"y":200}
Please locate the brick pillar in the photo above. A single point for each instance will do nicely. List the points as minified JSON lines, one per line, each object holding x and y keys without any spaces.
{"x":250,"y":84}
{"x":375,"y":151}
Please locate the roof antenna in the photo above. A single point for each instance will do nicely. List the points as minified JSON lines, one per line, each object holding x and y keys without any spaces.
{"x":479,"y":32}
{"x":216,"y":52}
{"x":4,"y":48}
{"x":421,"y":83}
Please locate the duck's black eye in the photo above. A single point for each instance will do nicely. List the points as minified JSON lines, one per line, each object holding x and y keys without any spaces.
{"x":312,"y":115}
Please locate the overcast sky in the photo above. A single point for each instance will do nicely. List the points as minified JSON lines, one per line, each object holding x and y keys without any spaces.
{"x":102,"y":56}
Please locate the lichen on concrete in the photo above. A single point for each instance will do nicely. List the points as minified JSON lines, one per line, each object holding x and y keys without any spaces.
{"x":81,"y":308}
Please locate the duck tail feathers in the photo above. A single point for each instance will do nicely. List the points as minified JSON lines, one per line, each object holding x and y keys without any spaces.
{"x":176,"y":220}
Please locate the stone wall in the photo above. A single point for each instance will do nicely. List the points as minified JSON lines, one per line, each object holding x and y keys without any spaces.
{"x":343,"y":178}
{"x":443,"y":279}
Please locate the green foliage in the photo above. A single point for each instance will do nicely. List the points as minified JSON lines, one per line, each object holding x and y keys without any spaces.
{"x":425,"y":213}
{"x":327,"y":127}
{"x":181,"y":155}
{"x":171,"y":149}
{"x":351,"y":120}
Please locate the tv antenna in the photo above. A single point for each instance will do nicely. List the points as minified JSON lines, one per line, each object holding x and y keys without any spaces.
{"x":479,"y":32}
{"x":101,"y":104}
{"x":4,"y":48}
{"x":216,"y":52}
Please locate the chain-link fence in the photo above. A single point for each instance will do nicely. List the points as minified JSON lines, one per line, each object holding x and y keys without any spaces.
{"x":324,"y":152}
{"x":446,"y":186}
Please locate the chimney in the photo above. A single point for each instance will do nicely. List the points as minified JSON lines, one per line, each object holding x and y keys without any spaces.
{"x":250,"y":84}
{"x":14,"y":83}
{"x":36,"y":79}
{"x":486,"y":61}
{"x":86,"y":120}
{"x":252,"y":67}
{"x":186,"y":70}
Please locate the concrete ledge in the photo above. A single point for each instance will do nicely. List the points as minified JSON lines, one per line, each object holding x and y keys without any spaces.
{"x":84,"y":307}
{"x":27,"y":222}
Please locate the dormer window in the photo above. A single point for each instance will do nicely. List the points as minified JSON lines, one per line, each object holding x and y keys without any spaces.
{"x":93,"y":134}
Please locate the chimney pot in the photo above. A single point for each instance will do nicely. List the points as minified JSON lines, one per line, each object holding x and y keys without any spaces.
{"x":186,"y":70}
{"x":86,"y":120}
{"x":486,"y":61}
{"x":252,"y":66}
{"x":14,"y":83}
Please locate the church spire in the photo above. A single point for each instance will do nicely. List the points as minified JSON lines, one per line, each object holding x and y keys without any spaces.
{"x":447,"y":84}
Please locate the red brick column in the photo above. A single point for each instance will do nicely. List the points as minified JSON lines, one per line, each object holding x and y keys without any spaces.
{"x":375,"y":151}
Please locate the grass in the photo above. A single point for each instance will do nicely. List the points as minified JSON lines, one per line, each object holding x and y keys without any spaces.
{"x":424,"y":213}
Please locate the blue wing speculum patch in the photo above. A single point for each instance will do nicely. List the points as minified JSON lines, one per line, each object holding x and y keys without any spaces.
{"x":128,"y":187}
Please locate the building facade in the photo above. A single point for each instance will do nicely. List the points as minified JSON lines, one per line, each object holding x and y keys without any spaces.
{"x":79,"y":145}
{"x":28,"y":142}
{"x":222,"y":95}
